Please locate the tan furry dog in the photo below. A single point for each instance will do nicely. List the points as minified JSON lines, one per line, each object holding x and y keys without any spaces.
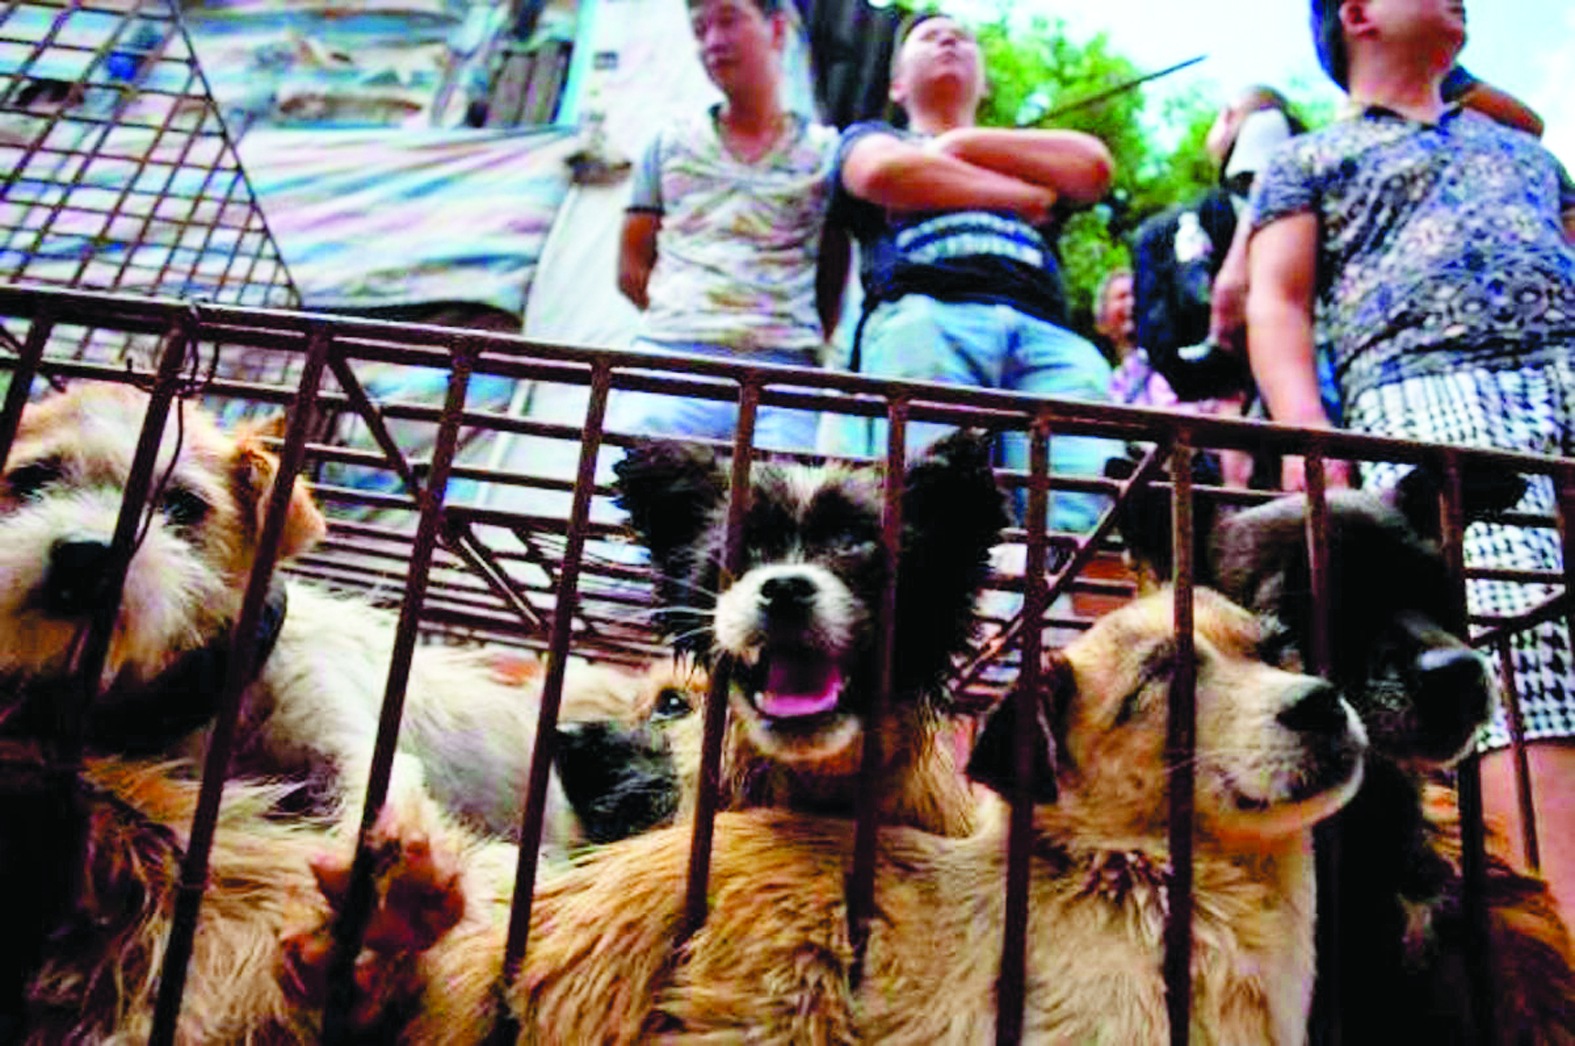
{"x":88,"y":932}
{"x":1276,"y":753}
{"x":1404,"y":940}
{"x":312,"y":711}
{"x":636,"y":767}
{"x":795,"y":626}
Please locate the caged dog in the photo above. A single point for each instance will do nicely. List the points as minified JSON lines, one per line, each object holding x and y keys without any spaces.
{"x":635,"y":768}
{"x":1402,"y":931}
{"x":91,"y":872}
{"x":1276,"y":753}
{"x":796,"y":628}
{"x":311,"y":713}
{"x":91,"y":902}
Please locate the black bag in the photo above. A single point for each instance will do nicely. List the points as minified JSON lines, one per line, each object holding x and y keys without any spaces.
{"x":1175,"y":256}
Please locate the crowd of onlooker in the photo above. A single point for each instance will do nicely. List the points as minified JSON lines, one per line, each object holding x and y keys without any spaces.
{"x":1406,"y":270}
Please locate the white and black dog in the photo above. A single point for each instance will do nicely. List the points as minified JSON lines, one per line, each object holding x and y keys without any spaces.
{"x":797,"y":625}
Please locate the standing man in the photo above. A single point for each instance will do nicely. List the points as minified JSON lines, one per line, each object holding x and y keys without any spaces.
{"x":724,"y":246}
{"x":960,"y":285}
{"x":1429,"y":248}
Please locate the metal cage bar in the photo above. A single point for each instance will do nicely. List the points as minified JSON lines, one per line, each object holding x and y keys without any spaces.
{"x":1180,"y":744}
{"x":194,"y":867}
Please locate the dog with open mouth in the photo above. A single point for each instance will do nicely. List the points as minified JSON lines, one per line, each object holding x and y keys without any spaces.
{"x":796,"y":628}
{"x":1276,"y":753}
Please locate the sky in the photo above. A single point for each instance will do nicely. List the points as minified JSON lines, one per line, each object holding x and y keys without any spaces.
{"x":1526,"y":47}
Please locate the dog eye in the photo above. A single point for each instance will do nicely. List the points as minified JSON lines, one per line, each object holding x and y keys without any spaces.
{"x":1130,"y":706}
{"x":184,"y":508}
{"x":672,"y":704}
{"x":852,"y":545}
{"x":27,"y":482}
{"x":842,"y":542}
{"x":1280,"y":649}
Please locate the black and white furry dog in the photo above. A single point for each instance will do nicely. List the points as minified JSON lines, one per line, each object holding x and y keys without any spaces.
{"x":797,"y":626}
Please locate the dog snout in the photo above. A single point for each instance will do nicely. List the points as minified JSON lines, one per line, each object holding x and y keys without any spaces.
{"x":1454,"y":696}
{"x":788,"y":595}
{"x":78,"y":578}
{"x":619,"y":782}
{"x":1318,"y":711}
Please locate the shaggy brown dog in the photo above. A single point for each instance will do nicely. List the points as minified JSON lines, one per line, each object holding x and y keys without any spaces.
{"x":105,"y":859}
{"x":1422,"y":694}
{"x":81,"y":951}
{"x":312,"y":711}
{"x":1276,"y":752}
{"x":795,"y":628}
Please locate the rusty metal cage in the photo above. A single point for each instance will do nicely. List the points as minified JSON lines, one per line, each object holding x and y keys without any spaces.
{"x":117,"y":171}
{"x":532,"y":552}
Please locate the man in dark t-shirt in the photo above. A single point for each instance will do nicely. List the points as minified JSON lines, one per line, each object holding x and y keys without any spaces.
{"x":960,"y":286}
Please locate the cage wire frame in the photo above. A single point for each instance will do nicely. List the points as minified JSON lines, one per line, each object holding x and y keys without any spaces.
{"x":118,"y":172}
{"x":552,"y":579}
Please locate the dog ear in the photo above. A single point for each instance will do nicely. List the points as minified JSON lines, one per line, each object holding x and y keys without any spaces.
{"x":672,"y":491}
{"x":274,"y":426}
{"x":993,"y":761}
{"x":252,"y":472}
{"x":953,"y":512}
{"x":952,"y":502}
{"x":1143,"y":519}
{"x":1484,"y":493}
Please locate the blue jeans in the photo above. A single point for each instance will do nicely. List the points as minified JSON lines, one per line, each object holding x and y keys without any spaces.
{"x":665,"y":416}
{"x":993,"y":346}
{"x":657,"y":414}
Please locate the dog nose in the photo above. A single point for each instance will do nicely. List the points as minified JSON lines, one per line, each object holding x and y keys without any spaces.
{"x":78,"y":577}
{"x":1454,"y":695}
{"x":1318,"y":711}
{"x":788,"y":591}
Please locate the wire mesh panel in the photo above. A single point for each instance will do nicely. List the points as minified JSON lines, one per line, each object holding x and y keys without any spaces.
{"x":116,"y":171}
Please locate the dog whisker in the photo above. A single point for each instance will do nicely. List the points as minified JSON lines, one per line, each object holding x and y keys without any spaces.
{"x":692,"y":587}
{"x":698,"y":632}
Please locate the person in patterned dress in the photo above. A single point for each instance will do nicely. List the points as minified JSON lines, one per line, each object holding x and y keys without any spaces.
{"x":1429,"y":248}
{"x":725,"y":247}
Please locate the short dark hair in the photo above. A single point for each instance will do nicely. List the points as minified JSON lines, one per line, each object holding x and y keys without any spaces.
{"x":1329,"y":39}
{"x":766,"y":7}
{"x":917,"y":19}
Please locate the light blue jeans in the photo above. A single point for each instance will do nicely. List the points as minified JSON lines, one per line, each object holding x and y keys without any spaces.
{"x":663,"y":416}
{"x":656,"y":414}
{"x":988,"y":345}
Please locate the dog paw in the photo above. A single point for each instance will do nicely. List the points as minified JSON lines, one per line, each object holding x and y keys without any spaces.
{"x":419,"y":893}
{"x":385,"y":981}
{"x":417,"y":897}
